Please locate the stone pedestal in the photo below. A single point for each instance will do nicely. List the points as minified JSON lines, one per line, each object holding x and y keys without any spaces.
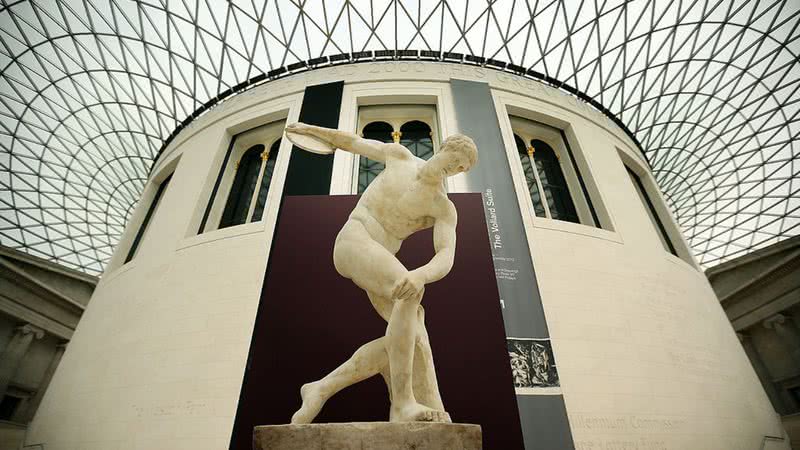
{"x":368,"y":435}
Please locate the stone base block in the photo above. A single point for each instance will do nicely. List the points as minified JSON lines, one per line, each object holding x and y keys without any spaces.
{"x":368,"y":435}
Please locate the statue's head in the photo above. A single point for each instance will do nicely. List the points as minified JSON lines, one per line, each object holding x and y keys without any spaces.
{"x":458,"y":154}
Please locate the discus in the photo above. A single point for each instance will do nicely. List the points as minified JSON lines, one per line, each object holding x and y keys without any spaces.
{"x":310,"y":143}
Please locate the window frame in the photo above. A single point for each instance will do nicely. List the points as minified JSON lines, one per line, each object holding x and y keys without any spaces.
{"x":155,"y":202}
{"x":388,"y":93}
{"x":119,"y":259}
{"x":553,"y":137}
{"x":396,"y":115}
{"x":650,"y":209}
{"x":266,"y":134}
{"x":509,"y":104}
{"x":211,"y":156}
{"x":652,"y":192}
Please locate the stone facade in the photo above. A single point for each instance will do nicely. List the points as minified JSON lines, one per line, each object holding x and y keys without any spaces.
{"x":40,"y":305}
{"x":760,"y":293}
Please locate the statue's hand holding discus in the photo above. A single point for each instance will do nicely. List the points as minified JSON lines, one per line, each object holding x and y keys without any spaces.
{"x":308,"y":138}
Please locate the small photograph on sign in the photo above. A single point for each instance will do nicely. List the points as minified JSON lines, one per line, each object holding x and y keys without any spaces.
{"x":533,"y":366}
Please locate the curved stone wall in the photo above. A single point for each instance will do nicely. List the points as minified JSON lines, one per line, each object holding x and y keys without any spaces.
{"x":645,"y":355}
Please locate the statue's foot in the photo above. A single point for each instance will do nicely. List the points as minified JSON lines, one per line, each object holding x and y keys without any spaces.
{"x":414,"y":412}
{"x":311,"y":394}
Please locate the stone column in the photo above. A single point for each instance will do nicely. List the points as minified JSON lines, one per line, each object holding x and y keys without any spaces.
{"x":12,"y":356}
{"x":763,"y":373}
{"x":33,"y":403}
{"x":787,"y":331}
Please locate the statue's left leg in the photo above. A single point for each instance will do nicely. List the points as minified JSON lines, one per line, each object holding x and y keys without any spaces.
{"x":368,"y":360}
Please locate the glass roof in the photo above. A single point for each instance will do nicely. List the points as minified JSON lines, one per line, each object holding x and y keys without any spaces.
{"x":90,"y":90}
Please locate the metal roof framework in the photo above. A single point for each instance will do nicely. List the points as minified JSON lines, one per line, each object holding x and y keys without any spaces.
{"x":91,"y":89}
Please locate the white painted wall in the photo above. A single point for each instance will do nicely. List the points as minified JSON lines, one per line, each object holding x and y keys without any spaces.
{"x":646,"y":356}
{"x":158,"y":359}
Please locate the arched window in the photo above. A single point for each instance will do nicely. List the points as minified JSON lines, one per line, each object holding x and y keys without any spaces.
{"x":416,"y":137}
{"x":552,"y":173}
{"x":240,"y":192}
{"x":266,"y":178}
{"x":553,"y":182}
{"x":367,"y":168}
{"x":526,"y":159}
{"x":379,"y":131}
{"x":244,"y":185}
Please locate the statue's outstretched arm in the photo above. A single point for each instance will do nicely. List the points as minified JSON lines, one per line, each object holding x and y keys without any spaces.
{"x":345,"y":140}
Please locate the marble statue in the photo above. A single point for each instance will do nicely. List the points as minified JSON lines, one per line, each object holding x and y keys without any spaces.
{"x":408,"y":196}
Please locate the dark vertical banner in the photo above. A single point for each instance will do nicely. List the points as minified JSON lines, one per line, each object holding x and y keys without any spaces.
{"x":311,"y":319}
{"x":541,"y":405}
{"x":309,"y":173}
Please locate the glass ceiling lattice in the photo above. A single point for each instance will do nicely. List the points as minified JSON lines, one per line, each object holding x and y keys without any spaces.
{"x":90,"y":89}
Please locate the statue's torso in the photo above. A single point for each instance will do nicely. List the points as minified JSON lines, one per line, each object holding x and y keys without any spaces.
{"x":397,"y":204}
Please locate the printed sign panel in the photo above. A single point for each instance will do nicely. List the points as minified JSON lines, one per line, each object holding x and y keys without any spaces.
{"x":533,"y":366}
{"x":541,"y":406}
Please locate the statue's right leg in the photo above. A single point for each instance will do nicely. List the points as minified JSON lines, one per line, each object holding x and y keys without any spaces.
{"x":401,"y":342}
{"x":426,"y":387}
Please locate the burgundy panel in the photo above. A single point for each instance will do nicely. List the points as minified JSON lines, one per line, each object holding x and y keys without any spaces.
{"x":311,"y":319}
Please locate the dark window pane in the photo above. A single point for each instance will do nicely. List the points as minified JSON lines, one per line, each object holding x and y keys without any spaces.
{"x":266,"y":179}
{"x":795,"y":393}
{"x":244,"y":184}
{"x":367,"y":168}
{"x":416,"y":137}
{"x":150,"y":212}
{"x":553,"y":183}
{"x":530,"y":178}
{"x":8,"y":406}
